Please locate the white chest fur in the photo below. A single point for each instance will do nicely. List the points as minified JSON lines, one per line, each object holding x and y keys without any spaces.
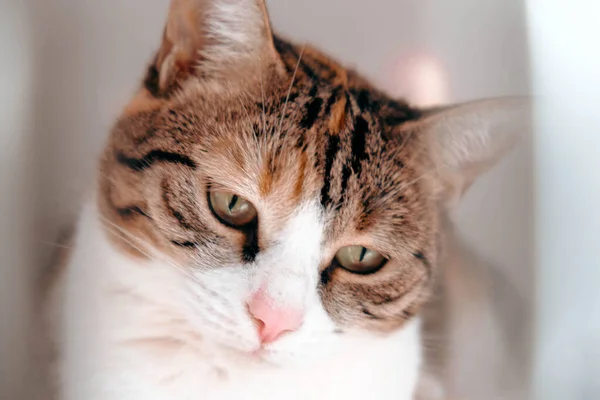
{"x":122,"y":337}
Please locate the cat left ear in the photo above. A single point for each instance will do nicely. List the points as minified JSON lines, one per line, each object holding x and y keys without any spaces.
{"x":212,"y":37}
{"x":468,"y":139}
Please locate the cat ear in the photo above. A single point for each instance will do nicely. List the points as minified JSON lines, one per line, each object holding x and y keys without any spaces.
{"x":468,"y":139}
{"x":212,"y":37}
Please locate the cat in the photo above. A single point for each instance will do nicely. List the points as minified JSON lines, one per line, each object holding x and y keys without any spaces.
{"x":265,"y":224}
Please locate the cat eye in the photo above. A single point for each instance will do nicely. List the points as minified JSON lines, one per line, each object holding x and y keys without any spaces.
{"x":232,"y":209}
{"x":359,"y":259}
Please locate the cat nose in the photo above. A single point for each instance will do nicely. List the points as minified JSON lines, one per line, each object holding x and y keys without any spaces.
{"x":273,"y":321}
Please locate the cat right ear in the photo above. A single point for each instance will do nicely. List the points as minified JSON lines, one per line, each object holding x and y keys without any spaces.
{"x":211,"y":38}
{"x":467,"y":139}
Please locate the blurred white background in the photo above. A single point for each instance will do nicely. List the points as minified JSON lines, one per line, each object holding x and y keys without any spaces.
{"x":567,"y":79}
{"x":69,"y":66}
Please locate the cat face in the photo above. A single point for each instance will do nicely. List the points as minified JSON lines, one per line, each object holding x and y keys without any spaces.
{"x":297,"y":202}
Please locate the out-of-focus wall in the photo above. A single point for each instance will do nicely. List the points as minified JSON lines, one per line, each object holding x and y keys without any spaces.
{"x":566,"y":78}
{"x":90,"y":55}
{"x":17,"y":198}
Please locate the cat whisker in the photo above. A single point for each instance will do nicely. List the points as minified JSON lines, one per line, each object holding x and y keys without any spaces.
{"x":54,"y":244}
{"x":263,"y":117}
{"x":246,"y":112}
{"x":208,"y":319}
{"x":289,"y":92}
{"x":200,"y":287}
{"x":196,"y":296}
{"x":155,"y":256}
{"x":129,"y":242}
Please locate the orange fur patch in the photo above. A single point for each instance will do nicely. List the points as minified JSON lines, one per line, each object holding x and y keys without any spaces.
{"x":299,"y":185}
{"x":143,"y":101}
{"x":338,"y":116}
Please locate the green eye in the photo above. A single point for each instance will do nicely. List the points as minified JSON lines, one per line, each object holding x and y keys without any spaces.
{"x":231,"y":208}
{"x":359,"y":259}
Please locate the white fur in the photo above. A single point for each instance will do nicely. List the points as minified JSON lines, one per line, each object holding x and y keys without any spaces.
{"x":134,"y":329}
{"x":238,"y":29}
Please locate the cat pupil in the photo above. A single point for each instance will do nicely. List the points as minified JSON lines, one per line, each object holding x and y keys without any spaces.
{"x":362,"y":254}
{"x":233,"y":202}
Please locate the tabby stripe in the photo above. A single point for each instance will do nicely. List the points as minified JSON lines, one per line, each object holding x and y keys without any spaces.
{"x":140,"y":164}
{"x":308,"y":71}
{"x":333,"y":147}
{"x":409,"y":313}
{"x":324,"y":70}
{"x":289,"y":99}
{"x":301,"y":142}
{"x":359,"y":141}
{"x":399,"y":114}
{"x":346,"y":173}
{"x":313,"y":109}
{"x":327,"y":274}
{"x":406,"y":314}
{"x":314,"y":89}
{"x":151,"y":82}
{"x":185,"y":244}
{"x":286,"y":49}
{"x":387,"y":299}
{"x":335,"y":94}
{"x":392,"y":299}
{"x":370,"y":314}
{"x":421,"y":257}
{"x":175,"y":213}
{"x":128,"y":212}
{"x":358,"y":152}
{"x":251,"y":248}
{"x":363,"y":100}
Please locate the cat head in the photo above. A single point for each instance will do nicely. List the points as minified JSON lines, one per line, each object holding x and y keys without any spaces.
{"x":296,"y":201}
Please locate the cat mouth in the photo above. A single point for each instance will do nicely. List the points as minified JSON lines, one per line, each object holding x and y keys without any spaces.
{"x":258,"y":355}
{"x":263,"y":355}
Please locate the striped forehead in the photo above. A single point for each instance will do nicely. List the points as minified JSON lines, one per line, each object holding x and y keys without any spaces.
{"x":323,"y":133}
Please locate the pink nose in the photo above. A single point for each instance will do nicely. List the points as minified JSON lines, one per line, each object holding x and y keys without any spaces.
{"x":273,"y":321}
